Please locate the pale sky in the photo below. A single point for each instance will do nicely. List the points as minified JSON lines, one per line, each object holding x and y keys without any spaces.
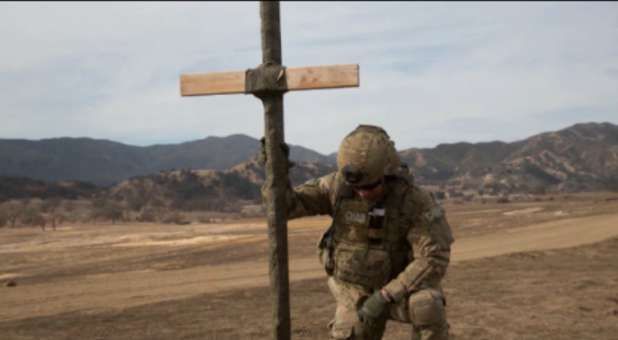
{"x":430,"y":72}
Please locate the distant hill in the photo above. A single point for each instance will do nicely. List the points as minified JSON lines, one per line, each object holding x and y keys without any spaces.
{"x":212,"y":190}
{"x":579,"y":158}
{"x":106,"y":162}
{"x":583,"y":157}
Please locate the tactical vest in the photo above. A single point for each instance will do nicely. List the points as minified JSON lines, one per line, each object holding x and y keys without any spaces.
{"x":369,"y":243}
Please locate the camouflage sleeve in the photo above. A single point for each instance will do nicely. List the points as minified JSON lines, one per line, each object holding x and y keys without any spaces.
{"x":312,"y":198}
{"x":430,"y":237}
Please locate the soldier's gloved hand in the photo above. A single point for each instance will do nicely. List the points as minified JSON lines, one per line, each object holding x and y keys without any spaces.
{"x":262,"y":158}
{"x":262,"y":155}
{"x":373,"y":307}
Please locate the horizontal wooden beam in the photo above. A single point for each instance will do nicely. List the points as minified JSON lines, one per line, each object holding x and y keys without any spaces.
{"x":322,"y":77}
{"x":204,"y":84}
{"x":297,"y":78}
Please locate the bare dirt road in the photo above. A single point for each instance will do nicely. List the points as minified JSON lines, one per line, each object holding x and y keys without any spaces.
{"x":96,"y":289}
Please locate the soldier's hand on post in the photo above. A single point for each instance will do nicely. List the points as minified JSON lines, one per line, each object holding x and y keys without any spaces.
{"x":262,"y":156}
{"x":373,"y":307}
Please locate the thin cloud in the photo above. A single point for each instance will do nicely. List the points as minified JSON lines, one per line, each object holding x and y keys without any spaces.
{"x":430,"y":72}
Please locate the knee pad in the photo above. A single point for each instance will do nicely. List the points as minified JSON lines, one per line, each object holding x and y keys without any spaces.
{"x":426,"y":308}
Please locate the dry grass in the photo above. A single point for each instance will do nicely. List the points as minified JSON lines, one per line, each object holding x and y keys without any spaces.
{"x":83,"y":281}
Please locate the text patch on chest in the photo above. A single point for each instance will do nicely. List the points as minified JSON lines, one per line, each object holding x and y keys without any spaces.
{"x":355,"y":217}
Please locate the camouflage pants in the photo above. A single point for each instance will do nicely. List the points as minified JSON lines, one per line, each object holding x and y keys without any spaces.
{"x":424,"y":309}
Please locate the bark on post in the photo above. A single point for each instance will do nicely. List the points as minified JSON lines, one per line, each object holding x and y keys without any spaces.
{"x":276,"y":175}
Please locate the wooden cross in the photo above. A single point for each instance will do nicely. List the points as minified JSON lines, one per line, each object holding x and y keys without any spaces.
{"x":269,"y":81}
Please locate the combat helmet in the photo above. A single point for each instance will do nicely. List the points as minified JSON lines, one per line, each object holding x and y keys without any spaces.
{"x":366,"y":155}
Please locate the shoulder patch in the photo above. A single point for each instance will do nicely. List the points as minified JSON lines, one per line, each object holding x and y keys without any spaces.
{"x":422,"y":205}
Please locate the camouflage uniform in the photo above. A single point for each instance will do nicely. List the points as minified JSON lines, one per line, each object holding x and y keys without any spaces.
{"x":401,"y":244}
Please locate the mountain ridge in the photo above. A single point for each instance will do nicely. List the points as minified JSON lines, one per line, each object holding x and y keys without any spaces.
{"x":106,"y":162}
{"x":578,"y":157}
{"x":583,"y":156}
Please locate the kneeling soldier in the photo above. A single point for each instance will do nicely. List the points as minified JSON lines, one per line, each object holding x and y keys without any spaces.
{"x":388,"y":246}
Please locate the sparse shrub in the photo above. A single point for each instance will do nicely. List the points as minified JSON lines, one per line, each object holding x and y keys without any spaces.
{"x":455,"y":194}
{"x":69,"y":206}
{"x":503,"y":199}
{"x":204,"y":219}
{"x":175,"y":218}
{"x":157,"y":202}
{"x":12,"y":212}
{"x":441,"y":195}
{"x":106,"y":210}
{"x":58,"y":219}
{"x":252,"y":210}
{"x":51,"y":206}
{"x":32,"y":217}
{"x":538,"y":190}
{"x":4,"y":219}
{"x":148,"y":215}
{"x":136,"y":202}
{"x":241,"y":187}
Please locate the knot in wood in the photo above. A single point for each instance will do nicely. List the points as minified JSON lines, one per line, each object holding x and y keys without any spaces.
{"x":266,"y":79}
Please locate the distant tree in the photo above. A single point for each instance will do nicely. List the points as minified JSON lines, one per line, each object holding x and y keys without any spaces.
{"x":175,"y":218}
{"x":12,"y":210}
{"x":538,"y":190}
{"x":148,"y":215}
{"x":135,"y":202}
{"x":69,"y":206}
{"x":32,"y":216}
{"x":4,"y":219}
{"x":241,"y":187}
{"x":156,"y":202}
{"x":107,"y":210}
{"x":51,"y":207}
{"x":138,"y":197}
{"x":503,"y":199}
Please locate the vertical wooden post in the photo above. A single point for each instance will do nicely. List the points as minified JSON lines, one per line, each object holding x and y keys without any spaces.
{"x":269,"y":82}
{"x":276,"y":176}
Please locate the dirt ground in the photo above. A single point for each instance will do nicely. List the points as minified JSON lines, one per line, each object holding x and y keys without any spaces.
{"x":541,"y":269}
